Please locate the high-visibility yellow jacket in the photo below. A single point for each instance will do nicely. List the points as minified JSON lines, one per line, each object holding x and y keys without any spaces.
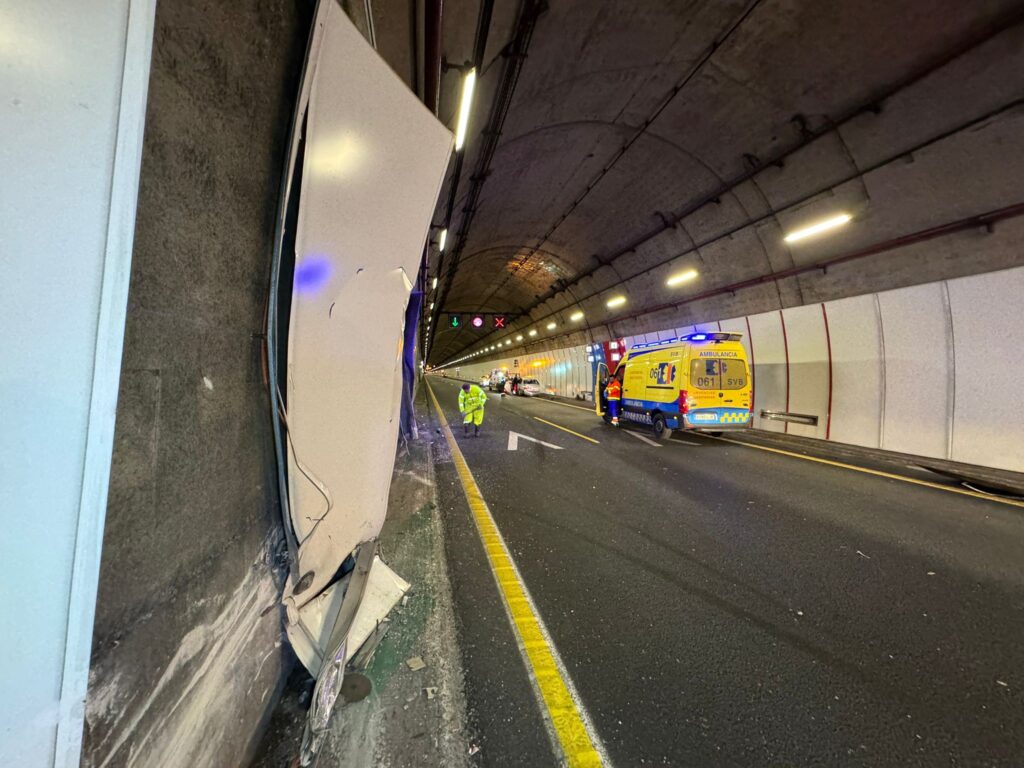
{"x":475,"y":398}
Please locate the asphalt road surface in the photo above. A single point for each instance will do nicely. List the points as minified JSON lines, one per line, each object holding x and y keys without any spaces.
{"x":720,"y":605}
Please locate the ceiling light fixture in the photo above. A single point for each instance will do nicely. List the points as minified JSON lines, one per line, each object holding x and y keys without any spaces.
{"x":468,"y":84}
{"x":441,"y":241}
{"x":616,"y":301}
{"x":533,"y":332}
{"x":519,"y":337}
{"x":576,"y":316}
{"x":817,"y":228}
{"x":681,"y":277}
{"x":435,"y":284}
{"x":551,"y":326}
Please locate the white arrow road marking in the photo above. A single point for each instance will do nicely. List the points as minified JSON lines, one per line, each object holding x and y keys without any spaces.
{"x":513,"y":441}
{"x":638,"y":436}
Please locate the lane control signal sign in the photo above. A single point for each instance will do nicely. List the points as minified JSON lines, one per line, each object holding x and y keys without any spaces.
{"x":499,"y":321}
{"x":455,"y":321}
{"x":478,"y":321}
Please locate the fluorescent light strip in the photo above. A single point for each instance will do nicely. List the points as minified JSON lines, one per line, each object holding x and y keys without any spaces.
{"x":468,"y":84}
{"x":682,"y":277}
{"x":617,"y":301}
{"x":822,"y":226}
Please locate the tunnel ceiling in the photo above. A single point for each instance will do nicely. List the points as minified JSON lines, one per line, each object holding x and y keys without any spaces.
{"x":612,"y":144}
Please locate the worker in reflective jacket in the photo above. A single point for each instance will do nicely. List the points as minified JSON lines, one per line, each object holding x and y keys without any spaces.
{"x":472,"y":400}
{"x":614,"y":396}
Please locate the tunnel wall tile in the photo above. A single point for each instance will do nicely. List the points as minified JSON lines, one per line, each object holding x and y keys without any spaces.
{"x":808,"y":367}
{"x":857,"y":380}
{"x":988,"y":333}
{"x":915,"y":337}
{"x":769,"y":347}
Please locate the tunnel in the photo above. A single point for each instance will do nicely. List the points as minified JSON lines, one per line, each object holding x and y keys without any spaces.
{"x":512,"y":383}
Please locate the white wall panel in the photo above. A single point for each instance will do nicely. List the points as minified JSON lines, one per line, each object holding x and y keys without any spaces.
{"x":892,"y":368}
{"x":915,"y":339}
{"x":374,"y":162}
{"x":808,"y":367}
{"x":857,"y":383}
{"x":988,"y":333}
{"x":769,"y":368}
{"x":72,"y":103}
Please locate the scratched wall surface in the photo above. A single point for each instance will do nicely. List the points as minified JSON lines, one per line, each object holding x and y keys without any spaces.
{"x":187,"y":655}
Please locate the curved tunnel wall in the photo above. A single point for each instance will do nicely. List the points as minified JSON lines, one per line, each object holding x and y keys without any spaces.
{"x":931,"y":370}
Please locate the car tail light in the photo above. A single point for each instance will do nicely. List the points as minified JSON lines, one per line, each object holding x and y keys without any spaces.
{"x":684,"y":407}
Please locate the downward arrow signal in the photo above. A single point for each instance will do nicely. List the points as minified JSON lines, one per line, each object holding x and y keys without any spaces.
{"x":513,"y":441}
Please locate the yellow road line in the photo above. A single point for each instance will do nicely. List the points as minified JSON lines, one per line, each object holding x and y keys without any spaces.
{"x":876,"y":472}
{"x":574,"y":737}
{"x":566,"y":429}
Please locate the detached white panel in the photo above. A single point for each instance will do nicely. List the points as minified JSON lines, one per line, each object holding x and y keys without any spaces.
{"x":857,"y":381}
{"x":808,"y":367}
{"x":915,"y":335}
{"x":72,"y":101}
{"x":374,"y":161}
{"x":988,"y":332}
{"x":769,"y":368}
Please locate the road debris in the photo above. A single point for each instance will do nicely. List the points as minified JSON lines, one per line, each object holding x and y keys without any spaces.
{"x":415,"y":663}
{"x":866,"y":557}
{"x":430,"y":691}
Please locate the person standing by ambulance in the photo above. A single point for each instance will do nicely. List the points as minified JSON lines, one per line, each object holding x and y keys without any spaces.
{"x":472,"y":400}
{"x":613,"y":394}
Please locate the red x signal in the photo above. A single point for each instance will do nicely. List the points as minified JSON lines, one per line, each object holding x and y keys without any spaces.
{"x":499,"y":321}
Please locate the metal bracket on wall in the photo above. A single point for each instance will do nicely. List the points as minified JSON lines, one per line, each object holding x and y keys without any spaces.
{"x":795,"y":418}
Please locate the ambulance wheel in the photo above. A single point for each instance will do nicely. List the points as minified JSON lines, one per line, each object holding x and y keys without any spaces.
{"x":661,"y":429}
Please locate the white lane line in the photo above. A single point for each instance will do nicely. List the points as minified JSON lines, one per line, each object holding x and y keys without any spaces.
{"x":513,"y":441}
{"x":683,"y":442}
{"x":638,"y":436}
{"x":565,"y":405}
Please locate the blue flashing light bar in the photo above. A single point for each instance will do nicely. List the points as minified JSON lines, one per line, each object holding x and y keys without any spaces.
{"x":716,"y":336}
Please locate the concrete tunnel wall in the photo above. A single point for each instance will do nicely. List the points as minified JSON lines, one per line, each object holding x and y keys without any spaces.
{"x":931,"y":370}
{"x":187,"y":651}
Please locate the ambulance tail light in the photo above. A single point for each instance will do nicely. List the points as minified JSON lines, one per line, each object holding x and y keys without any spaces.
{"x":684,"y":406}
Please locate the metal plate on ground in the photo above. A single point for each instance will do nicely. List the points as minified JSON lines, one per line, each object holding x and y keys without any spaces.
{"x":355,"y":687}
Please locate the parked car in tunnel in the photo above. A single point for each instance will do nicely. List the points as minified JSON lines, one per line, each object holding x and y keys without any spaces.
{"x":530,"y":388}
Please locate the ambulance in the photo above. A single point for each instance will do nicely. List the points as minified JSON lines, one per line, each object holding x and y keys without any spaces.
{"x":698,"y":382}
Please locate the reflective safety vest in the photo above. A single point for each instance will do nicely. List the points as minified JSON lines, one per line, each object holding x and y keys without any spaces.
{"x":475,"y":398}
{"x":614,"y":391}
